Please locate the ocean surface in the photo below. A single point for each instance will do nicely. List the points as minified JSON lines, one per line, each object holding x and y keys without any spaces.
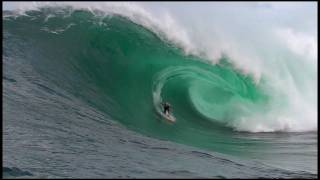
{"x":81,"y":99}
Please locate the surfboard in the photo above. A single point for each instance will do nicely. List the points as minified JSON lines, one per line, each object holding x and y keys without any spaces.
{"x":168,"y":117}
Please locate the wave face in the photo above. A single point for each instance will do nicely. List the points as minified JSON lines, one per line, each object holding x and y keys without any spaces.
{"x":124,"y":69}
{"x":257,"y":93}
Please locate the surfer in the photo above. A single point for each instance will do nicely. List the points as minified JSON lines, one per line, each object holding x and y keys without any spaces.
{"x":166,"y":108}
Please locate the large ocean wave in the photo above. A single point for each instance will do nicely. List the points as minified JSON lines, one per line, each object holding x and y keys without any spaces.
{"x":247,"y":95}
{"x":123,"y":61}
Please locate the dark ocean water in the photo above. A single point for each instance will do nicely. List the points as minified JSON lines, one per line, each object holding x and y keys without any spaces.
{"x":81,"y":94}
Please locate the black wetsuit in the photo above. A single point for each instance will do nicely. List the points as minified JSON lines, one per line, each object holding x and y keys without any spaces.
{"x":166,"y":108}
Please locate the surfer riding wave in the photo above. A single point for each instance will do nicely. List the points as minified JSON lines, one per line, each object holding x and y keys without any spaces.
{"x":166,"y":108}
